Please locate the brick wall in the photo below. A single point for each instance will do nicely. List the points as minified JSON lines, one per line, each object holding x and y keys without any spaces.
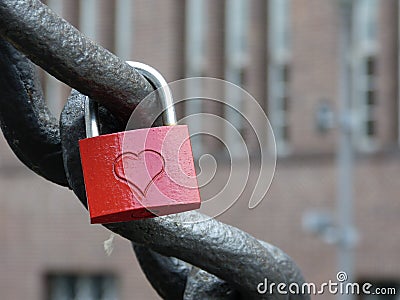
{"x":44,"y":228}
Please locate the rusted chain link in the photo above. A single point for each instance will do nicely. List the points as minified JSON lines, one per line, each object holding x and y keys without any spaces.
{"x":238,"y":259}
{"x":21,"y":106}
{"x":59,"y":48}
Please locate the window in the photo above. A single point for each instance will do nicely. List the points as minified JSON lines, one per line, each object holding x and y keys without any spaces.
{"x":124,"y":28}
{"x":196,"y":21}
{"x":81,"y":287}
{"x":236,"y":57}
{"x":279,"y":72}
{"x":365,"y":73}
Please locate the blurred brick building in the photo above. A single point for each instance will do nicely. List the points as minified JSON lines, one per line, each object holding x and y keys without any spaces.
{"x":286,"y":54}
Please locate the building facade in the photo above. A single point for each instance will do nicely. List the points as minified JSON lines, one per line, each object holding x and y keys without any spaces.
{"x":285,"y":53}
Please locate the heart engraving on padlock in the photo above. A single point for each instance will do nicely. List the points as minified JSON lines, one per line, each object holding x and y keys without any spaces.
{"x":126,"y":165}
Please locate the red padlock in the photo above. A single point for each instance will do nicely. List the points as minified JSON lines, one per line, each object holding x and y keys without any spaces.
{"x":139,"y":173}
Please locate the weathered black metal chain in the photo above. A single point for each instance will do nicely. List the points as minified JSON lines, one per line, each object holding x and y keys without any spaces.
{"x":229,"y":262}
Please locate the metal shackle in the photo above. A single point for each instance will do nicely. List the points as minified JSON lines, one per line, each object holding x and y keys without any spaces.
{"x":158,"y":83}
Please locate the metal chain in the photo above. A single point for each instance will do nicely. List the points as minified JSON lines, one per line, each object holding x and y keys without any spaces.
{"x":229,"y":262}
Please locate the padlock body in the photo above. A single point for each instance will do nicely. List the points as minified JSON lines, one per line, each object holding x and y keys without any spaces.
{"x":139,"y":174}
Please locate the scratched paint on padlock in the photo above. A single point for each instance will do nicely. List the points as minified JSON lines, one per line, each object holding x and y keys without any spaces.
{"x":140,"y":182}
{"x":139,"y":174}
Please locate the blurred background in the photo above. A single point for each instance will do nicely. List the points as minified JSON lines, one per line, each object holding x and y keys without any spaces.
{"x":325,"y":72}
